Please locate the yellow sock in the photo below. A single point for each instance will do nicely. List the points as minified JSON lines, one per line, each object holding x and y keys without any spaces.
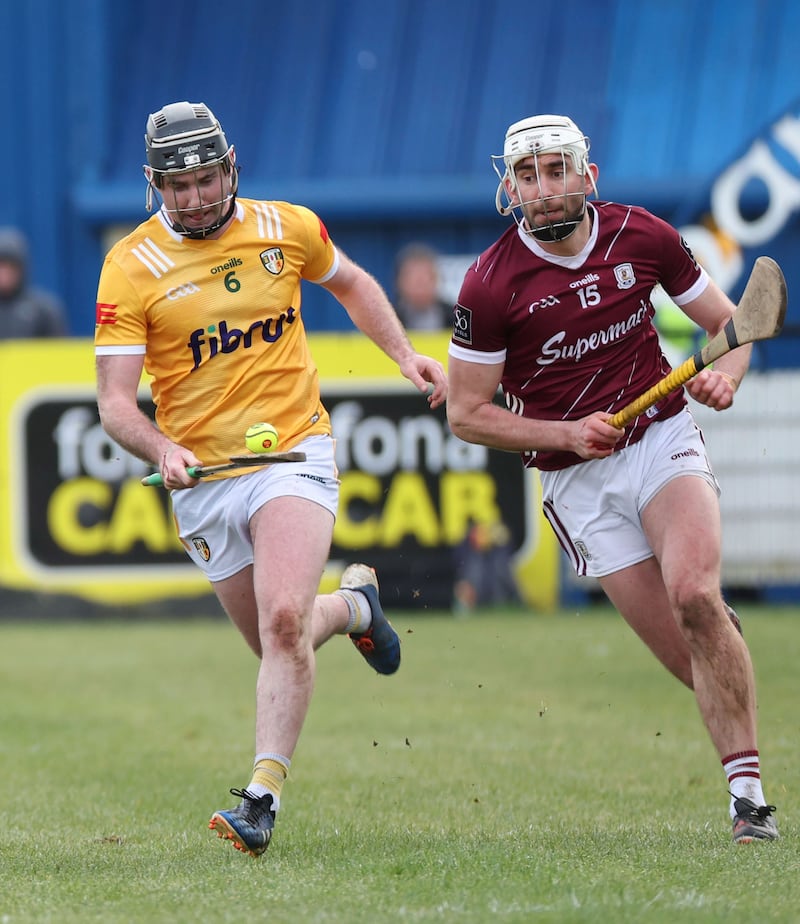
{"x":268,"y":776}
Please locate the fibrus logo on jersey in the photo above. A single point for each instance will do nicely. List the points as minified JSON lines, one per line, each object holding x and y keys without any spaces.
{"x":202,"y":548}
{"x":206,"y":343}
{"x":625,"y":275}
{"x":462,"y":324}
{"x":105,"y":314}
{"x":272,"y":260}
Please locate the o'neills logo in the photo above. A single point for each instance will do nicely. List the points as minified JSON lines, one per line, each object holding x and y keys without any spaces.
{"x":685,"y":454}
{"x":227,"y":265}
{"x":587,"y":279}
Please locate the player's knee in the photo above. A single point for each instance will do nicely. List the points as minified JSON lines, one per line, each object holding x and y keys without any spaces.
{"x":283,"y":629}
{"x":698,"y":612}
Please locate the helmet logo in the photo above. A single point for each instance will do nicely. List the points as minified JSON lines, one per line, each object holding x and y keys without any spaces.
{"x":272,"y":260}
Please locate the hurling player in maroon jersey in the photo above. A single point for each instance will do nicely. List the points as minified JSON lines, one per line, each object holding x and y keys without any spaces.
{"x":557,"y":314}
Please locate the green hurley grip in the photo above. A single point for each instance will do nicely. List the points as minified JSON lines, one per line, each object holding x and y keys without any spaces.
{"x":156,"y":480}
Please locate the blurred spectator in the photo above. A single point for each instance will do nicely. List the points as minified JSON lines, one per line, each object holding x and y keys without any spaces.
{"x":417,"y":299}
{"x":25,"y":311}
{"x":721,"y":256}
{"x":483,"y":572}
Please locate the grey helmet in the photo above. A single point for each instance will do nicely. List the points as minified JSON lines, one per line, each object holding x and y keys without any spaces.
{"x":183,"y":137}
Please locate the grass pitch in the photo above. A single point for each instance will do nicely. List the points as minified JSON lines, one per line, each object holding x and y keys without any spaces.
{"x":518,"y":768}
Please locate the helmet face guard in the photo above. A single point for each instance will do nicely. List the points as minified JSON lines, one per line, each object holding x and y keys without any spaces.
{"x":530,"y":138}
{"x":186,"y":139}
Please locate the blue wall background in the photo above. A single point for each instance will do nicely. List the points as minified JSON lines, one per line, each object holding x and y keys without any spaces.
{"x":379,"y":116}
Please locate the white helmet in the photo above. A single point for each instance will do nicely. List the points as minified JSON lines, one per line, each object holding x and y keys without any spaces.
{"x":542,"y":134}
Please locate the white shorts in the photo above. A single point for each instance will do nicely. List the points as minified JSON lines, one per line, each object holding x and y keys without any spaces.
{"x":213,"y":517}
{"x":595,"y":507}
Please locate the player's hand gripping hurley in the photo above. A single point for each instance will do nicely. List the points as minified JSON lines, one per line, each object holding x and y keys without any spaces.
{"x":198,"y":471}
{"x":759,"y":316}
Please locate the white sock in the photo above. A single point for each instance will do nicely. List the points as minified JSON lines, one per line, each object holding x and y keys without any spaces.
{"x":744,"y":778}
{"x":360,"y":615}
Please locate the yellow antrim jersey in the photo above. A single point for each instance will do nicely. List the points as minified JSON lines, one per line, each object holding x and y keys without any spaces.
{"x":219,"y":324}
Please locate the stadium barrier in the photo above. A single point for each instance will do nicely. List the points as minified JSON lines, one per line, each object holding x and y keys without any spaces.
{"x":76,"y":520}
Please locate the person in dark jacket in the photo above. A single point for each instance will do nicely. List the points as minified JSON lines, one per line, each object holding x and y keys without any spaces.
{"x":26,"y":312}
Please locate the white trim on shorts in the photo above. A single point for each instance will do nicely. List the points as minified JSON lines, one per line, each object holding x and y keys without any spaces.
{"x":213,"y":518}
{"x":595,"y":507}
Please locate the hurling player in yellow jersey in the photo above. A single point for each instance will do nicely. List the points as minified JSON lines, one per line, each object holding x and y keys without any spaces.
{"x":205,"y":296}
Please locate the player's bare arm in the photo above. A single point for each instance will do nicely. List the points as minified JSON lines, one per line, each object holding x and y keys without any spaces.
{"x":474,"y":417}
{"x":117,"y":386}
{"x":716,"y":387}
{"x":372,"y":313}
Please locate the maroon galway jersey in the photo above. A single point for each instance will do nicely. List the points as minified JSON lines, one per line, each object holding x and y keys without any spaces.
{"x":576,"y":333}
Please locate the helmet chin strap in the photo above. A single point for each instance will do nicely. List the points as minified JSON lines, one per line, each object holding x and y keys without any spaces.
{"x":551,"y":233}
{"x":200,"y":233}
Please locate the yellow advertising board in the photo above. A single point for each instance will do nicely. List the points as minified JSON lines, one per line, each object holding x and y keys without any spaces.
{"x":76,"y":519}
